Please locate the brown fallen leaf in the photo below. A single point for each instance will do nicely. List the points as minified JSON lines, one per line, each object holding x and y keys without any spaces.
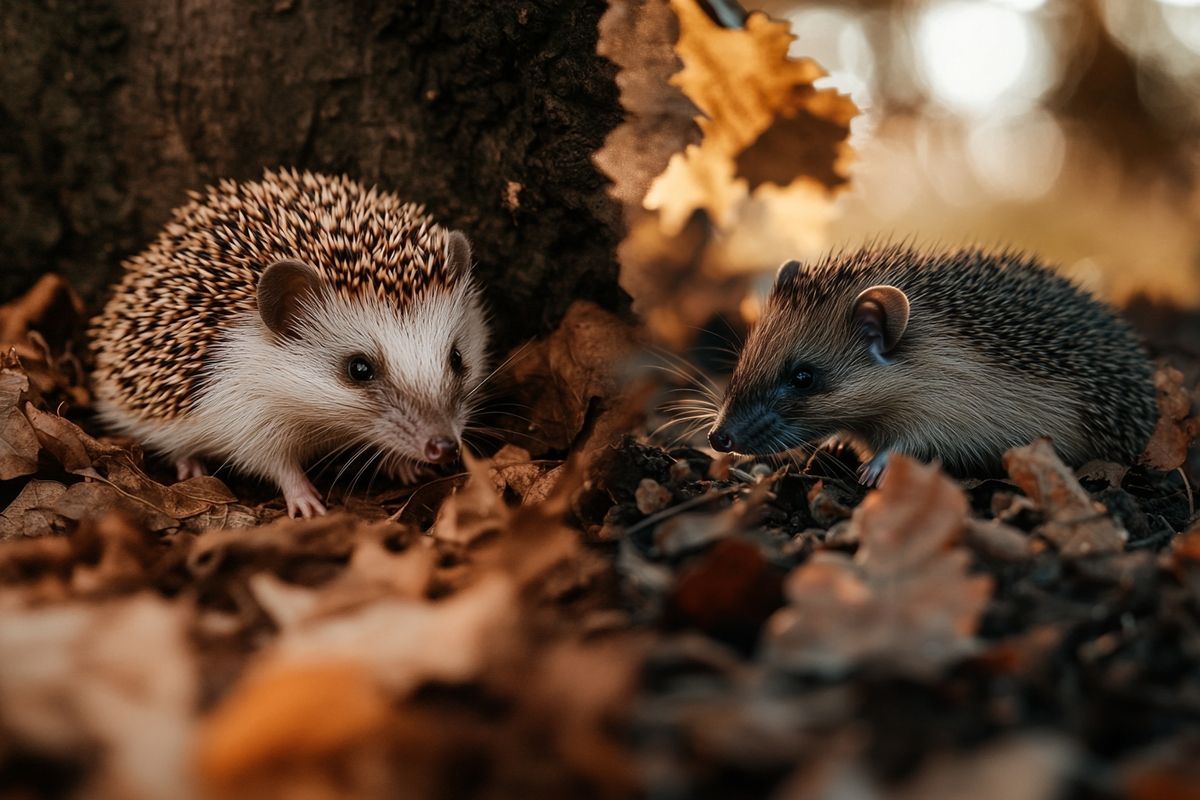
{"x":31,"y":513}
{"x":810,"y":144}
{"x":651,"y":496}
{"x":1176,"y":429}
{"x":89,"y":500}
{"x":729,"y":593}
{"x":1108,"y":471}
{"x":1076,"y":524}
{"x":695,"y":226}
{"x":117,"y":556}
{"x":373,"y":573}
{"x":333,"y":536}
{"x":683,"y":532}
{"x":578,"y":692}
{"x":50,"y":307}
{"x":743,"y":81}
{"x":279,"y":717}
{"x":115,"y":680}
{"x":65,"y":441}
{"x":574,"y":376}
{"x":472,"y":512}
{"x":906,"y":599}
{"x":18,"y":442}
{"x":638,"y":36}
{"x":994,"y":539}
{"x":404,"y":643}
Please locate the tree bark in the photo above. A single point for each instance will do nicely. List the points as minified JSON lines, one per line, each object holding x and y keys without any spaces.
{"x":488,"y":112}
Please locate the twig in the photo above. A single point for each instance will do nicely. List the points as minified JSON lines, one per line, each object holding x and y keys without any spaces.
{"x":667,"y":513}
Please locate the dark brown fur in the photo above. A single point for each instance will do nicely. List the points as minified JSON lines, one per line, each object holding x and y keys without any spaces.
{"x":998,"y":351}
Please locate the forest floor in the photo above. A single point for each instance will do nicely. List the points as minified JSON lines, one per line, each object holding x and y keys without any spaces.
{"x":586,"y":613}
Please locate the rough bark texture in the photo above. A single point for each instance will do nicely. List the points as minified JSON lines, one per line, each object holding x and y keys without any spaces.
{"x":488,"y":112}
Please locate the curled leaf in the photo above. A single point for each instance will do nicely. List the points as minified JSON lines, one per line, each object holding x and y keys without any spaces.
{"x":907,"y":599}
{"x":1077,"y":525}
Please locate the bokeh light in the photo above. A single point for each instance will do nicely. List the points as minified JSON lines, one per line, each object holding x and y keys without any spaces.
{"x":837,"y":40}
{"x":1020,"y":158}
{"x":1069,"y":129}
{"x":982,"y":57}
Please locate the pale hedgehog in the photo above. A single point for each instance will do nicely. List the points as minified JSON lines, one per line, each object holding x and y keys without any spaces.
{"x":954,"y":356}
{"x":296,"y":316}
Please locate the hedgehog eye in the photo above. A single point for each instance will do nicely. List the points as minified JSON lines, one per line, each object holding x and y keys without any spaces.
{"x":804,"y":378}
{"x":359,"y":369}
{"x":456,"y":361}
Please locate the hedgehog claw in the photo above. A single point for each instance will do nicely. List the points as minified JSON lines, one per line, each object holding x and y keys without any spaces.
{"x":870,"y":473}
{"x":302,"y":498}
{"x":189,"y":467}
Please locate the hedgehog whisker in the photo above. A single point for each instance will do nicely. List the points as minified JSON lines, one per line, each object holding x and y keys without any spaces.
{"x":735,"y":344}
{"x":674,"y":364}
{"x":502,"y":433}
{"x":332,"y":456}
{"x":374,"y":457}
{"x":362,"y":449}
{"x":511,"y":357}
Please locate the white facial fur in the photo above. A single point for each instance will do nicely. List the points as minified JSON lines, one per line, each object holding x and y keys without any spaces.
{"x":415,"y":394}
{"x":268,"y":400}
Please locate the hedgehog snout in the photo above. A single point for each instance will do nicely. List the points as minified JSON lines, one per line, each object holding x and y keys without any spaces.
{"x":441,"y":449}
{"x":746,"y":431}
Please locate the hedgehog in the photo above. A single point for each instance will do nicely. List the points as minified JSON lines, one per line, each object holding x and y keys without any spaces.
{"x":952,"y":356}
{"x":296,"y":316}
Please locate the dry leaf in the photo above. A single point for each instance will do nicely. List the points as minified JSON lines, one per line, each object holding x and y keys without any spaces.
{"x":474,"y":511}
{"x":906,"y":599}
{"x":637,"y":35}
{"x":373,"y":573}
{"x":404,"y":643}
{"x":754,"y":96}
{"x":1076,"y":524}
{"x":50,"y":307}
{"x":334,"y":535}
{"x":31,"y":513}
{"x":580,"y":690}
{"x":729,"y":593}
{"x":288,"y":713}
{"x":760,"y":112}
{"x":18,"y":442}
{"x":575,"y":375}
{"x":115,"y":679}
{"x":1175,"y":430}
{"x":809,"y":145}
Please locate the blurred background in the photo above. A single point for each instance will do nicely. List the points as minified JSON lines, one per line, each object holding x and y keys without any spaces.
{"x":1063,"y":126}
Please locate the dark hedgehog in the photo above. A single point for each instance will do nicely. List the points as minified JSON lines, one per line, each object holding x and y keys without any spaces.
{"x":275,"y":320}
{"x":954,"y":356}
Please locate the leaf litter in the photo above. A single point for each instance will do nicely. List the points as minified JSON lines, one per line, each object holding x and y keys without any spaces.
{"x":590,"y":614}
{"x":584,"y":612}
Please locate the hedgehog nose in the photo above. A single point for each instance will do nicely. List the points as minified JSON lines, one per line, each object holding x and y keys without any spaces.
{"x":721,"y":440}
{"x":440,"y":449}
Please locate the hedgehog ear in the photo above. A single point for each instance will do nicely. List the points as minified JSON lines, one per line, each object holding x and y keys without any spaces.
{"x":458,"y":254}
{"x":282,"y":289}
{"x":787,"y":273}
{"x":881,"y":313}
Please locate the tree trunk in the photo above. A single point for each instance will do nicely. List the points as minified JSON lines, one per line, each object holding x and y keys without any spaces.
{"x":488,"y":112}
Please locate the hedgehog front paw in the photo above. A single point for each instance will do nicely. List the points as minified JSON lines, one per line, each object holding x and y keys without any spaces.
{"x":301,"y":497}
{"x":870,"y":473}
{"x":189,"y":467}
